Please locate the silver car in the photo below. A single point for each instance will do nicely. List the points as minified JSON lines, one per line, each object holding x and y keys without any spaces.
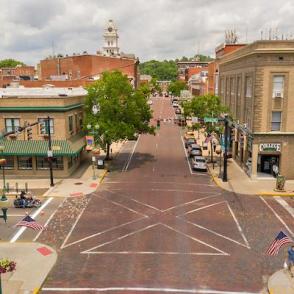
{"x":194,"y":150}
{"x":199,"y":163}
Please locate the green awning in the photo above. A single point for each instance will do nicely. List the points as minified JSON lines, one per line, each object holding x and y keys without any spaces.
{"x":40,"y":147}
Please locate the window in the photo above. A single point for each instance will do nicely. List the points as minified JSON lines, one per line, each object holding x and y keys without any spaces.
{"x":42,"y":163}
{"x":9,"y":162}
{"x":11,"y":124}
{"x":278,"y":86}
{"x":70,"y":124}
{"x":276,"y":120}
{"x":25,"y":162}
{"x":80,"y":119}
{"x":70,"y":161}
{"x":57,"y":163}
{"x":238,"y":112}
{"x":43,"y":126}
{"x":248,"y":88}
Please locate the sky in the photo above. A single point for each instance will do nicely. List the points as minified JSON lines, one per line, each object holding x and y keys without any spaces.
{"x":31,"y":30}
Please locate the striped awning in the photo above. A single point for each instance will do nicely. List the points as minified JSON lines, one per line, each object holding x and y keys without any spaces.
{"x":40,"y":147}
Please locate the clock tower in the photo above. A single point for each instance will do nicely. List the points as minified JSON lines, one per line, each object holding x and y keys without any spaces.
{"x":110,"y":35}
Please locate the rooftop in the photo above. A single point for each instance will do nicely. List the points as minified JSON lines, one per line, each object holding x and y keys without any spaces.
{"x":46,"y":92}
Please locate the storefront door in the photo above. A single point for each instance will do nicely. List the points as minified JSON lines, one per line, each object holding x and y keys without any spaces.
{"x":266,"y":162}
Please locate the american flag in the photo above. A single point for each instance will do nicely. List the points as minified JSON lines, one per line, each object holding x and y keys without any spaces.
{"x":30,"y":223}
{"x":279,"y":241}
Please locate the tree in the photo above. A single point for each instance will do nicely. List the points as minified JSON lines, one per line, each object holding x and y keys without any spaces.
{"x":176,"y":87}
{"x":10,"y":63}
{"x":206,"y":106}
{"x":123,"y":110}
{"x":161,"y":70}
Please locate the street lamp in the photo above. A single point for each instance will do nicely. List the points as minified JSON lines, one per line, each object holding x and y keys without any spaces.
{"x":3,"y":200}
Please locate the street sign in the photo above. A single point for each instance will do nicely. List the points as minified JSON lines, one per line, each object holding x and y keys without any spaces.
{"x":55,"y":148}
{"x":211,"y":119}
{"x":50,"y":153}
{"x":194,"y":120}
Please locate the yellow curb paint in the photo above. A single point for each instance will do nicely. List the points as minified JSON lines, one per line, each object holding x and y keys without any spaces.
{"x":103,"y":176}
{"x":281,"y":194}
{"x":215,"y":179}
{"x":36,"y":291}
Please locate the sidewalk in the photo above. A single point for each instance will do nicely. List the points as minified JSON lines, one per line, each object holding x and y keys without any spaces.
{"x":238,"y":181}
{"x":281,"y":282}
{"x":33,"y":263}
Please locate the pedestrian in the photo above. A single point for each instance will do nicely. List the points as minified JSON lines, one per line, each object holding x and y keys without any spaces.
{"x":291,"y":259}
{"x":275,"y":169}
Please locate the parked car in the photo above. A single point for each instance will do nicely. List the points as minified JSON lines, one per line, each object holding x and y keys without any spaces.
{"x":188,"y":135}
{"x":178,"y":110}
{"x":175,"y":104}
{"x":199,"y":163}
{"x":194,"y":150}
{"x":190,"y":141}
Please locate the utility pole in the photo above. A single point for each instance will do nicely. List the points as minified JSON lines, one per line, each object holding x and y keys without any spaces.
{"x":225,"y":175}
{"x":50,"y":153}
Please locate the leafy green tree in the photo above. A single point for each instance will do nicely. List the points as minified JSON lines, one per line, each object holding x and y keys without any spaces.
{"x":206,"y":106}
{"x":10,"y":63}
{"x":123,"y":111}
{"x":176,"y":87}
{"x":161,"y":70}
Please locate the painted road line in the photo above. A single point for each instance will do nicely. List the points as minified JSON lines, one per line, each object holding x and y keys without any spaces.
{"x":238,"y":226}
{"x":72,"y":228}
{"x":203,"y":207}
{"x":285,"y":205}
{"x":22,"y":229}
{"x":277,"y":216}
{"x":145,"y":289}
{"x":103,"y":232}
{"x":153,"y":253}
{"x":118,"y":239}
{"x":197,"y":240}
{"x":49,"y":219}
{"x":125,"y":168}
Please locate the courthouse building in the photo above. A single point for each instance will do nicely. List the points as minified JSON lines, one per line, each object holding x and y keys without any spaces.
{"x":257,"y":83}
{"x":26,"y":152}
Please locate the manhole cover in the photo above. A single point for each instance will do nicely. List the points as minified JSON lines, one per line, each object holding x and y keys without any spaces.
{"x":78,"y":183}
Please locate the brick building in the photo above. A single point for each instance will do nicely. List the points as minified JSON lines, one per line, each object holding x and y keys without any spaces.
{"x":20,"y":72}
{"x":257,"y":83}
{"x":87,"y":67}
{"x":26,"y":153}
{"x":184,"y":66}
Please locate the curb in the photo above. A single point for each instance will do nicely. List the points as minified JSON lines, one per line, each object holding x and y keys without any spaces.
{"x":103,"y":176}
{"x":215,"y":179}
{"x":273,"y":194}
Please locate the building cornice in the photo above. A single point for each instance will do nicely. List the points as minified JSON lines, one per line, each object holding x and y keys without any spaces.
{"x":41,"y":108}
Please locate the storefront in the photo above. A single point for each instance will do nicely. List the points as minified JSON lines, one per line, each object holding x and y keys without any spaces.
{"x":268,"y":157}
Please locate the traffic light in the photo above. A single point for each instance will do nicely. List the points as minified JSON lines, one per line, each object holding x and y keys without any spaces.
{"x":158,"y":123}
{"x":43,"y":129}
{"x":29,"y":133}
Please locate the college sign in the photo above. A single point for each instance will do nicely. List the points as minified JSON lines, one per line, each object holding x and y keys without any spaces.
{"x":270,"y":147}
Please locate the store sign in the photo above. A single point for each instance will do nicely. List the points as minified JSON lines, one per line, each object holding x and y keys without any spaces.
{"x":270,"y":147}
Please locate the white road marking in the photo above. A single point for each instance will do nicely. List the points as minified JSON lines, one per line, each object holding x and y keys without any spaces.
{"x":72,"y":228}
{"x":238,"y":226}
{"x":103,"y":232}
{"x":156,"y":146}
{"x":22,"y":229}
{"x":125,"y":168}
{"x":153,"y":169}
{"x":154,"y":182}
{"x":144,"y":289}
{"x":152,"y":253}
{"x":48,"y":220}
{"x":203,"y":207}
{"x":277,"y":216}
{"x":118,"y":239}
{"x":285,"y":205}
{"x":193,"y":201}
{"x":197,"y":240}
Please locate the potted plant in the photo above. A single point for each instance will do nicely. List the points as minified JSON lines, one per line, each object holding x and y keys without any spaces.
{"x":6,"y":266}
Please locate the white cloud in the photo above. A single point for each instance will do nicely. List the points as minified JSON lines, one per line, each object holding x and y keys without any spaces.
{"x":160,"y":29}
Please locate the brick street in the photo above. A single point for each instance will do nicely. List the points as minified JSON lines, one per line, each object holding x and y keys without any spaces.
{"x":153,"y":226}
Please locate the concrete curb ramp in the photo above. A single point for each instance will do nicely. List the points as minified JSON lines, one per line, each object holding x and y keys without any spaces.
{"x":34,"y":261}
{"x":281,"y":283}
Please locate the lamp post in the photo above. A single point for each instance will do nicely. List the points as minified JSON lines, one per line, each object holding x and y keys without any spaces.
{"x":3,"y":200}
{"x":225,"y":175}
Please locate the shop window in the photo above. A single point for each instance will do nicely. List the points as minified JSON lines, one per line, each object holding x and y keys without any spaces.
{"x":276,"y":120}
{"x":25,"y":162}
{"x":9,"y":162}
{"x":278,"y":86}
{"x":11,"y":124}
{"x":70,"y":124}
{"x":248,"y":87}
{"x":57,"y":163}
{"x":42,"y":163}
{"x":70,"y":162}
{"x":43,"y":126}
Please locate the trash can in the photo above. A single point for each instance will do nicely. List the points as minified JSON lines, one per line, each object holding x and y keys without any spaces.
{"x":100,"y":164}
